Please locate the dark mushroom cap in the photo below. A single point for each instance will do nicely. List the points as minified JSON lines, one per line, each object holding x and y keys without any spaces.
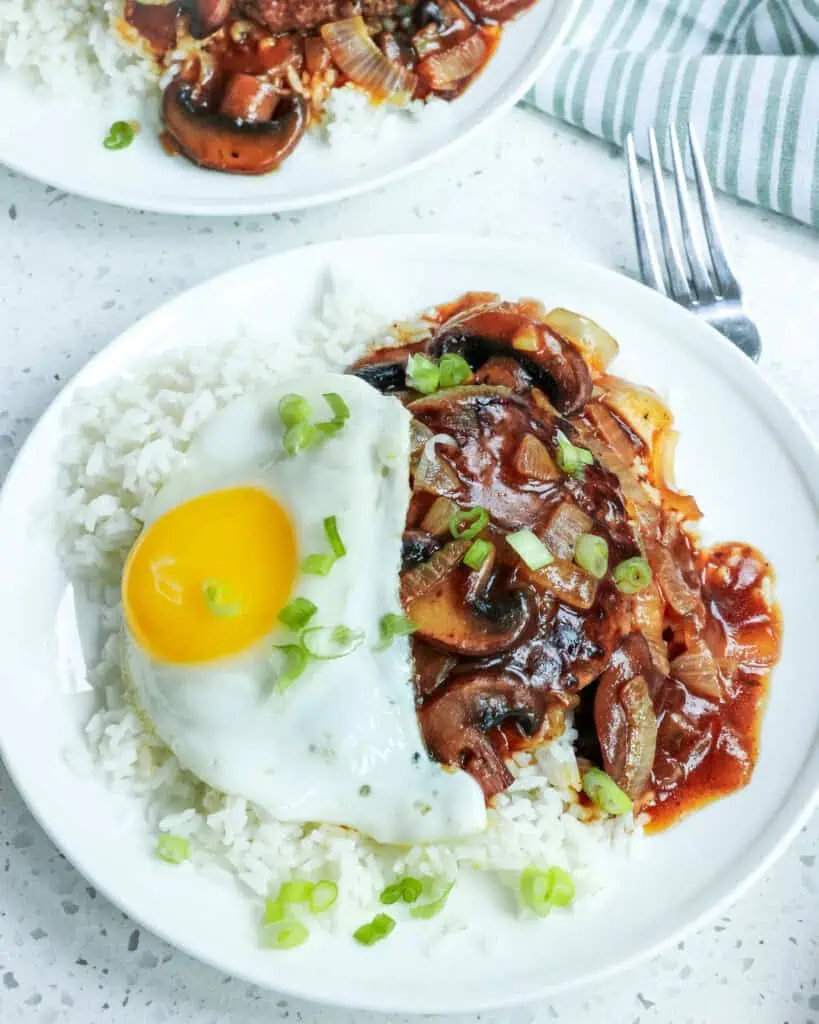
{"x":207,"y":16}
{"x":457,"y":718}
{"x":219,"y":143}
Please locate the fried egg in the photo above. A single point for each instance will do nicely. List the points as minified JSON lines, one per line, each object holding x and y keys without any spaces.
{"x":222,"y":555}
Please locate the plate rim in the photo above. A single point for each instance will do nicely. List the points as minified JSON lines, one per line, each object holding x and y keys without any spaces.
{"x":513,"y":252}
{"x":554,"y":33}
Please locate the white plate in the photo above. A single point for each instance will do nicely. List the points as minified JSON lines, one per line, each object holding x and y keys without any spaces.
{"x":62,"y":145}
{"x":754,"y":471}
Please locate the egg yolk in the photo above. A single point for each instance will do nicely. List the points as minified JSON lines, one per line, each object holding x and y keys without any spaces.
{"x":208,"y":578}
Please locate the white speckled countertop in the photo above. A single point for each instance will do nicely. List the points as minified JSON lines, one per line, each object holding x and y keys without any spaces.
{"x":73,"y":275}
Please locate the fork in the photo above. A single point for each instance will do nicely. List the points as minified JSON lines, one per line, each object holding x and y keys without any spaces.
{"x":716,"y":295}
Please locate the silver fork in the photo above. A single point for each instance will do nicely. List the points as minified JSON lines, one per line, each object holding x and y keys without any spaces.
{"x":716,"y":295}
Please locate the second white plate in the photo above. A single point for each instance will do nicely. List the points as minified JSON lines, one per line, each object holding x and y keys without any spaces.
{"x":62,"y":145}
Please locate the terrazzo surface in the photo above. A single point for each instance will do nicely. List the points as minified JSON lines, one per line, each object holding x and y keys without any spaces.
{"x":73,"y":275}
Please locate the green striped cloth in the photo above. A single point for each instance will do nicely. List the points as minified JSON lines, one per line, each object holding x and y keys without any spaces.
{"x":746,"y":72}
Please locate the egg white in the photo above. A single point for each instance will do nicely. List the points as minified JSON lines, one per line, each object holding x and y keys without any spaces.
{"x":342,"y":743}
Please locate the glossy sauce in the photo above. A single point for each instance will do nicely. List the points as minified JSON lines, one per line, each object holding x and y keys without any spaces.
{"x":724,"y":741}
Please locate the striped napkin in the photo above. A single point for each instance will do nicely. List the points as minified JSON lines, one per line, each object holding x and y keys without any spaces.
{"x":746,"y":72}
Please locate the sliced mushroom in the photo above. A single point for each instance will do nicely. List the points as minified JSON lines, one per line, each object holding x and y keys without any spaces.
{"x":625,"y":719}
{"x":219,"y":143}
{"x":456,"y":719}
{"x":207,"y":16}
{"x":452,"y":618}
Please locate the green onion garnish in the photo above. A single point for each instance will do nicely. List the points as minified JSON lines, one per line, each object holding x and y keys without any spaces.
{"x":478,"y":553}
{"x":604,"y":792}
{"x":297,"y":659}
{"x":592,"y":554}
{"x":296,"y":891}
{"x":570,"y":458}
{"x":328,"y":642}
{"x":333,"y":536}
{"x":543,"y":890}
{"x":274,"y":911}
{"x":323,"y":896}
{"x":121,"y":134}
{"x":173,"y":849}
{"x":220,"y":599}
{"x":320,"y":565}
{"x":297,"y":614}
{"x":633,"y":575}
{"x":294,"y":409}
{"x":405,"y":889}
{"x":300,"y":437}
{"x":286,"y":934}
{"x":530,"y":548}
{"x":392,"y":626}
{"x":467,"y":523}
{"x":428,"y":910}
{"x":338,"y":407}
{"x":377,"y":929}
{"x":453,"y":370}
{"x":422,"y":374}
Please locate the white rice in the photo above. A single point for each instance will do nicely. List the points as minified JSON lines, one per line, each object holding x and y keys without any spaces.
{"x":72,"y":48}
{"x":121,"y":442}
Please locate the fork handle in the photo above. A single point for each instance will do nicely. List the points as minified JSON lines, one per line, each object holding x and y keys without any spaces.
{"x":741,"y":331}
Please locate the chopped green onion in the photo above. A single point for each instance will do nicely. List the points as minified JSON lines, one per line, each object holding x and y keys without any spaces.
{"x":530,"y":548}
{"x":333,"y":536}
{"x":633,"y":575}
{"x":405,"y":889}
{"x":297,"y":614}
{"x":328,"y":642}
{"x":604,"y":792}
{"x":294,"y":409}
{"x":338,"y":407}
{"x":318,"y":565}
{"x":220,"y":599}
{"x":286,"y":934}
{"x":297,"y":659}
{"x":377,"y":929}
{"x":467,"y":523}
{"x":542,"y":890}
{"x":478,"y":553}
{"x":428,"y":910}
{"x":173,"y":849}
{"x":453,"y":370}
{"x":570,"y":458}
{"x":120,"y":135}
{"x":561,"y":892}
{"x":422,"y":374}
{"x":323,"y":896}
{"x":274,"y":911}
{"x":300,"y":437}
{"x":592,"y":554}
{"x":296,"y":891}
{"x":392,"y":626}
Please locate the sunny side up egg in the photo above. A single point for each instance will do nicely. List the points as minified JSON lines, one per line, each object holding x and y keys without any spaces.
{"x":221,"y":555}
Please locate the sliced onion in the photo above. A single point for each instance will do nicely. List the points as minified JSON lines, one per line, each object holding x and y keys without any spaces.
{"x":355,"y":53}
{"x":682,"y":598}
{"x":627,"y":730}
{"x":662,"y":466}
{"x":419,"y":581}
{"x":532,"y":459}
{"x":597,"y":345}
{"x":438,"y":517}
{"x":446,"y":68}
{"x":567,"y":582}
{"x":568,"y":524}
{"x":642,"y":409}
{"x":431,"y":474}
{"x":610,"y":431}
{"x":697,"y":671}
{"x":647,"y":616}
